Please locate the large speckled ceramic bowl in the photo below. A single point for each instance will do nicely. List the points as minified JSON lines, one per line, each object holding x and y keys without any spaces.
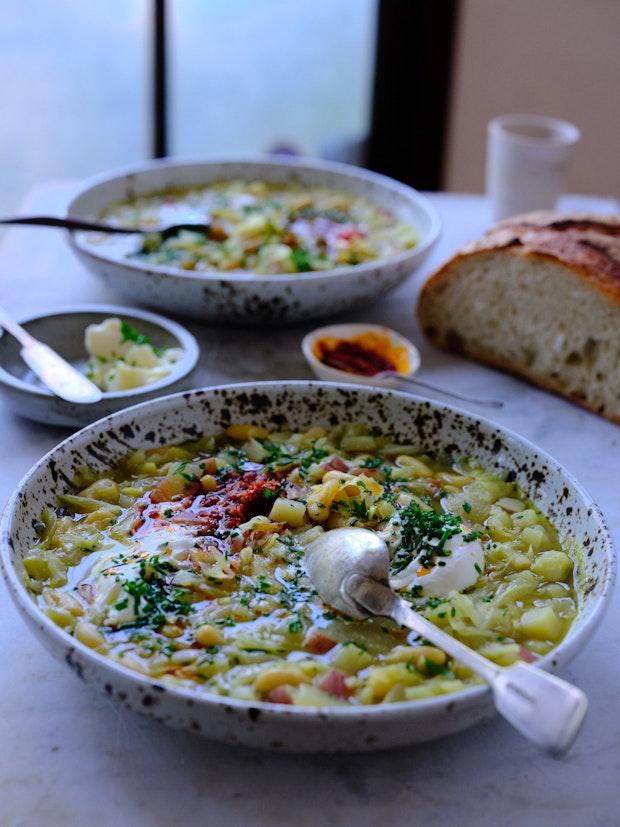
{"x":439,"y":429}
{"x":246,"y":297}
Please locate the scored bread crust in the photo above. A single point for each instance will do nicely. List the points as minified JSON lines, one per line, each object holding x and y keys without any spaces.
{"x":587,"y":245}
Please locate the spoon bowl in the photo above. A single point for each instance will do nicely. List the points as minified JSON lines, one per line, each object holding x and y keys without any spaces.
{"x":332,"y":559}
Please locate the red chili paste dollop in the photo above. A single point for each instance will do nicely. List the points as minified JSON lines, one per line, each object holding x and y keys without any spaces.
{"x":354,"y":358}
{"x":238,"y":497}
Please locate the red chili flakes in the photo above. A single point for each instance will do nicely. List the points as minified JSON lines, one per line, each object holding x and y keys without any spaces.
{"x":354,"y":358}
{"x":238,"y":497}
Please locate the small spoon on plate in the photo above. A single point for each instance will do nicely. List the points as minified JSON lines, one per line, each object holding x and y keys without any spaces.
{"x":96,"y":226}
{"x":349,"y":568}
{"x":55,"y":373}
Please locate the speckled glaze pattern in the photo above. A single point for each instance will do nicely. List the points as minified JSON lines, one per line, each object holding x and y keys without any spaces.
{"x":439,"y":429}
{"x":244,"y":297}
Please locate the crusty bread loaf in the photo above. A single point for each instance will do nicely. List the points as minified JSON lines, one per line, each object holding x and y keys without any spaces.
{"x":539,"y":296}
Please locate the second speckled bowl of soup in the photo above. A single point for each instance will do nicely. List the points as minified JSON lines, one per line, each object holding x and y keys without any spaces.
{"x":288,"y":239}
{"x":160,"y":552}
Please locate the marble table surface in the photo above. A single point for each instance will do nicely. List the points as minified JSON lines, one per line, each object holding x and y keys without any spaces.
{"x":69,"y":756}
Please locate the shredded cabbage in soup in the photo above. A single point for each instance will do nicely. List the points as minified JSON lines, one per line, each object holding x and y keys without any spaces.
{"x":186,"y":563}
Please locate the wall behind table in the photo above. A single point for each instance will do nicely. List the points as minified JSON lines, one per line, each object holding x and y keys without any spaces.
{"x":552,"y":57}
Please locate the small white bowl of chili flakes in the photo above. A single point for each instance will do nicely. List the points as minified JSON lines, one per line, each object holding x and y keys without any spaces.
{"x":362,"y":353}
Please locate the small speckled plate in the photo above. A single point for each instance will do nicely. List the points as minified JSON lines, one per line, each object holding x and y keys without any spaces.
{"x":439,"y":429}
{"x":63,"y":329}
{"x":243,"y":296}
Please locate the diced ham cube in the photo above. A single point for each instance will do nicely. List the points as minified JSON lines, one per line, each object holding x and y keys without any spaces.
{"x":350,"y":235}
{"x":317,"y":643}
{"x":335,"y":683}
{"x":336,"y":464}
{"x":87,"y":591}
{"x":279,"y":695}
{"x":526,"y":655}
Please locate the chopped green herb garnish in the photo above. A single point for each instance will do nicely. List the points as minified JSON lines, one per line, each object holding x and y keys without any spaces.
{"x":130,"y":334}
{"x":301,"y":259}
{"x":263,"y":585}
{"x":154,"y":598}
{"x":371,"y":462}
{"x":226,"y":621}
{"x":413,"y":593}
{"x":473,"y":535}
{"x":180,"y":471}
{"x":433,"y":668}
{"x":359,"y":509}
{"x":424,"y":534}
{"x":312,"y":456}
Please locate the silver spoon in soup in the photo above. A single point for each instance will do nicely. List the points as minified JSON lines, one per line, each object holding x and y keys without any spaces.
{"x":349,"y":568}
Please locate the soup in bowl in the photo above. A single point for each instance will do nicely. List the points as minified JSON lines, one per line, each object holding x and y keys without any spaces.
{"x":168,"y":563}
{"x":282,"y":239}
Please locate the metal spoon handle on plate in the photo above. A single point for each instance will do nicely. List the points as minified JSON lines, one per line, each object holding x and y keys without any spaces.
{"x":409,"y":380}
{"x":96,"y":226}
{"x":55,"y":373}
{"x":349,"y":569}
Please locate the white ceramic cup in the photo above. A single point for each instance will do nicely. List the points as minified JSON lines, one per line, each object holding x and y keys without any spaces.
{"x":527,"y":162}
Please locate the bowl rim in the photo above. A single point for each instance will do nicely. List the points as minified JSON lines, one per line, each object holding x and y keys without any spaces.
{"x":25,"y":603}
{"x":415,"y":358}
{"x":187,"y":343}
{"x":77,"y":239}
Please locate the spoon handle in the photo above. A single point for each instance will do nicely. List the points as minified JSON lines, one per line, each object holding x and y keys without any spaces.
{"x":489,"y":403}
{"x":542,"y":707}
{"x":378,"y":599}
{"x":55,"y":373}
{"x":66,"y":223}
{"x":16,"y":330}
